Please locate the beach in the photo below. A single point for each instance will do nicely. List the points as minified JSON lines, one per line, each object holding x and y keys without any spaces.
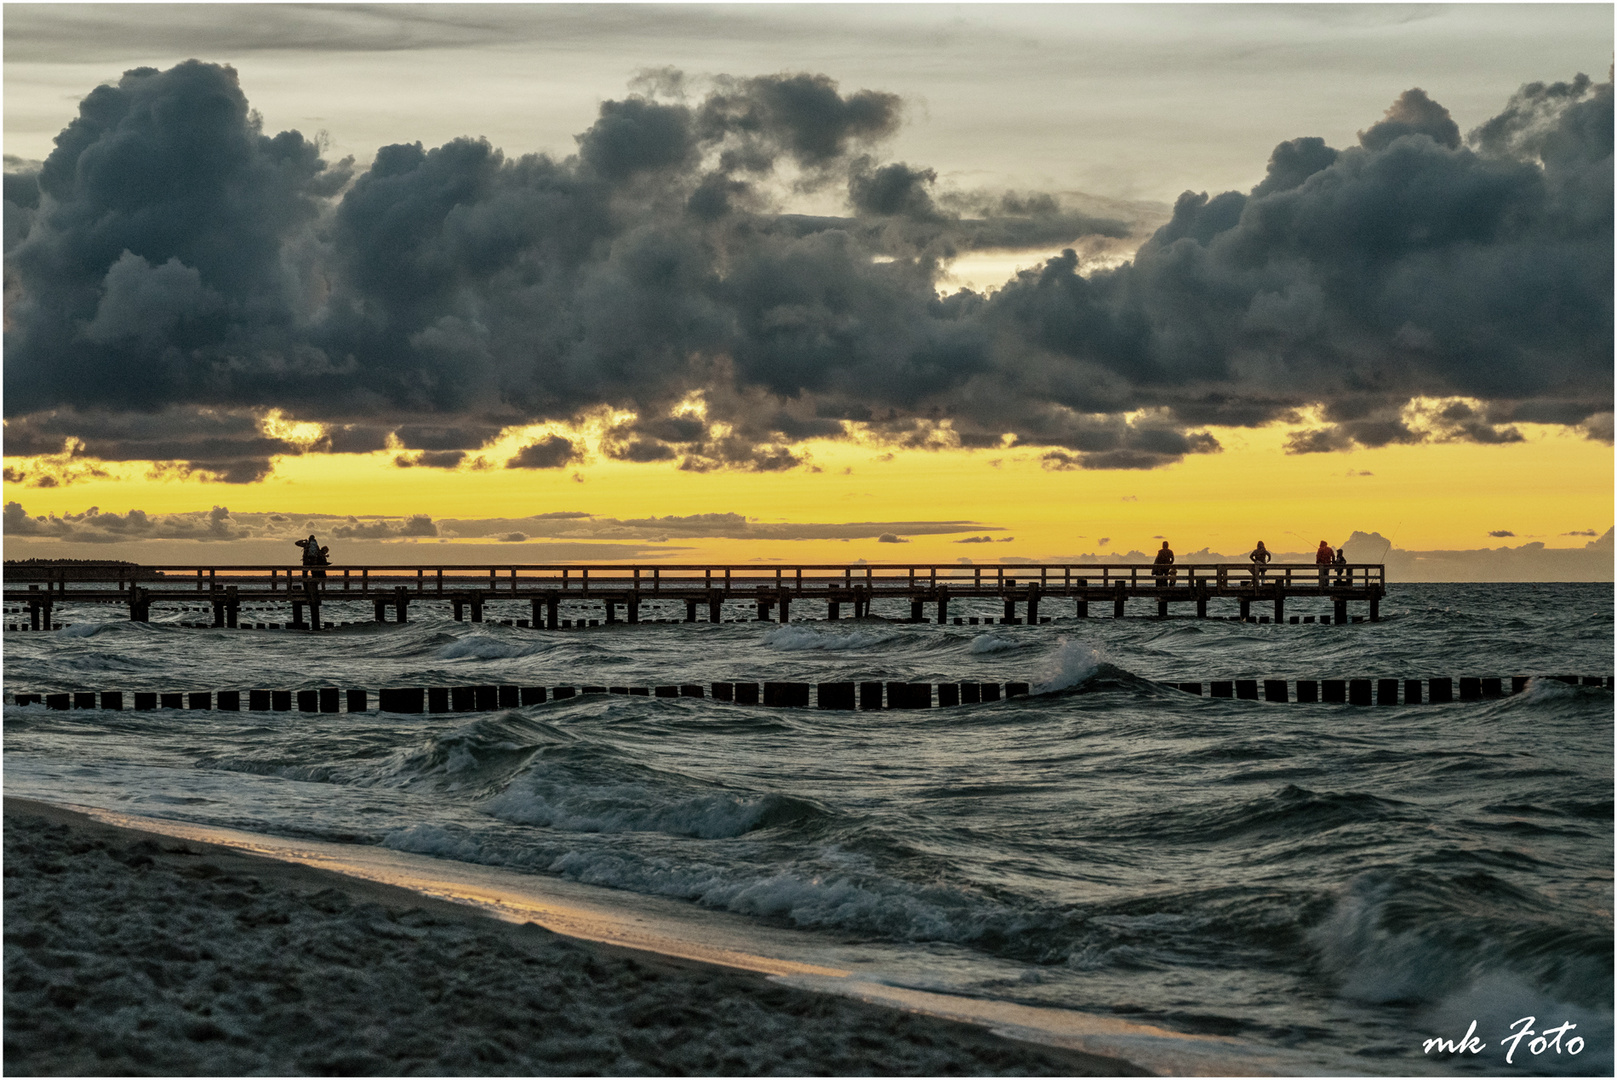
{"x":135,"y":953}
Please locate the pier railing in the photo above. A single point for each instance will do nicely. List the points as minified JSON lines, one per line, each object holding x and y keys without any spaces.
{"x":523,"y":579}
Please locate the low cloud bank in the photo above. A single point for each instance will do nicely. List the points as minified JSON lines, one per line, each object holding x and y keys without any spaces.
{"x":1535,"y":561}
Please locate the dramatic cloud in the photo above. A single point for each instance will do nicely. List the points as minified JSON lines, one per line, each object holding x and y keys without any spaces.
{"x":174,"y":275}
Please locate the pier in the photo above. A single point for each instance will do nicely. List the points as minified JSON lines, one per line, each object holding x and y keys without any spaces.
{"x":1029,"y":592}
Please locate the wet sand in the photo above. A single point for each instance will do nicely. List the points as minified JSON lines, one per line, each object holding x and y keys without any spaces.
{"x":135,"y":953}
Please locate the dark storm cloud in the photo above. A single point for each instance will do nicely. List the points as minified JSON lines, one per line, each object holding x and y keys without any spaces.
{"x":551,"y":452}
{"x":172,"y":272}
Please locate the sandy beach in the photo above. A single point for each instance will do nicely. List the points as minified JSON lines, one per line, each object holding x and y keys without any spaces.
{"x":133,"y":953}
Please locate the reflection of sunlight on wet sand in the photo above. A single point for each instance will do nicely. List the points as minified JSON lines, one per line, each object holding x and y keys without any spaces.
{"x":673,"y":929}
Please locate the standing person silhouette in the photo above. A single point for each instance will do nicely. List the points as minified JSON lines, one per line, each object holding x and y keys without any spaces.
{"x":1342,"y":575}
{"x":1160,"y":569}
{"x":314,"y":555}
{"x":1260,"y":563}
{"x":1322,"y":559}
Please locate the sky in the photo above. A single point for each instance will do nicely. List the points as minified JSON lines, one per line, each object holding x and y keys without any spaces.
{"x":809,"y":283}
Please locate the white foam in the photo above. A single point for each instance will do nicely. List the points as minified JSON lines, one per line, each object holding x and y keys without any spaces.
{"x":78,"y":630}
{"x":992,"y":643}
{"x":1075,"y":662}
{"x":479,"y":647}
{"x":793,"y":638}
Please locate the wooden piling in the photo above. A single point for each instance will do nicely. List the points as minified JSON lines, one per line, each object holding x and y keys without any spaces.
{"x":1359,"y":691}
{"x":1341,"y":611}
{"x":1246,"y":689}
{"x":405,"y":700}
{"x":1275,"y":690}
{"x":1440,"y":691}
{"x":948,"y":695}
{"x":835,"y":695}
{"x":746,"y":693}
{"x":1386,"y":691}
{"x":1412,"y":692}
{"x":1307,"y":691}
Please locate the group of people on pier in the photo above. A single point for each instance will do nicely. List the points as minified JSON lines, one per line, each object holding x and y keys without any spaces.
{"x":1326,"y":559}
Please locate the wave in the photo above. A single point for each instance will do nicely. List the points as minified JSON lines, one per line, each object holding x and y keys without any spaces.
{"x":797,"y":638}
{"x":481,"y":647}
{"x":1076,"y":663}
{"x":987,"y":644}
{"x":1471,"y":949}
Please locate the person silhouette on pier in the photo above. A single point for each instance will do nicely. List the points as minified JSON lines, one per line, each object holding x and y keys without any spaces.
{"x":314,"y":555}
{"x":1322,"y":559}
{"x":1341,"y":566}
{"x":1260,"y":563}
{"x":1164,"y":561}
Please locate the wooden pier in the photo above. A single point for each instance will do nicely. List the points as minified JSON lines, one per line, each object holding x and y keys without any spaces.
{"x":841,"y":587}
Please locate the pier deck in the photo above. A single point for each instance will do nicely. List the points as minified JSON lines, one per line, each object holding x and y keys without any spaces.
{"x":773,"y":589}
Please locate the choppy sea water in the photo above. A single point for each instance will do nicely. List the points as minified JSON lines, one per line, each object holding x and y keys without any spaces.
{"x":1344,"y":882}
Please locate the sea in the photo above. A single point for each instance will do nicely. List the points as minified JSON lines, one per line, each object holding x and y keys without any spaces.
{"x":1337,"y":884}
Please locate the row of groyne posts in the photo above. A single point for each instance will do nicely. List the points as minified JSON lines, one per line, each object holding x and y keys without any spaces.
{"x":866,"y":696}
{"x":467,"y":588}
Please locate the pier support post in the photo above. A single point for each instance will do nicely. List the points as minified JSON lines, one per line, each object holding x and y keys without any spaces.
{"x":401,"y":604}
{"x":1010,"y":610}
{"x":33,"y":608}
{"x":1246,"y":609}
{"x":690,"y":611}
{"x":634,"y":608}
{"x":785,"y":606}
{"x":1375,"y":607}
{"x":297,"y":615}
{"x":943,"y":607}
{"x":611,"y":612}
{"x":140,"y":605}
{"x":1280,"y":604}
{"x":764,"y":607}
{"x":477,"y":605}
{"x":1201,"y":600}
{"x":1033,"y":603}
{"x":311,"y":590}
{"x":833,"y":610}
{"x":915,"y":611}
{"x":232,"y":607}
{"x":459,"y":606}
{"x":218,"y":610}
{"x":1117,"y":602}
{"x":1341,"y":611}
{"x":1162,"y":607}
{"x":715,"y":607}
{"x":861,"y":602}
{"x":1083,"y":608}
{"x":380,"y":609}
